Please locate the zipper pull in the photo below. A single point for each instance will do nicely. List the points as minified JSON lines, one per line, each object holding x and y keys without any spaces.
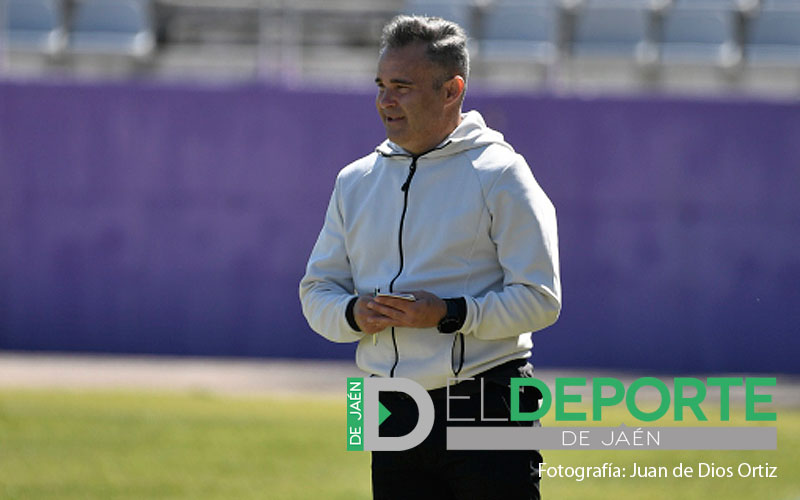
{"x":375,"y":335}
{"x":411,"y":170}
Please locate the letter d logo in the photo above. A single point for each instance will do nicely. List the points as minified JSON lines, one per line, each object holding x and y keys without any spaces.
{"x":374,"y":386}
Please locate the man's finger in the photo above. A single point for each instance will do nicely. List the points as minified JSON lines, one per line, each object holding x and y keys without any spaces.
{"x":385,"y":310}
{"x":374,"y":323}
{"x":399,"y":304}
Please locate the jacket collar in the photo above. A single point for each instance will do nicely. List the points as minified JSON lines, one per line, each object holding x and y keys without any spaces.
{"x":471,"y":133}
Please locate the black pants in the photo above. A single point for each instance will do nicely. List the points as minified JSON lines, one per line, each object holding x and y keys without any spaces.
{"x":430,"y":471}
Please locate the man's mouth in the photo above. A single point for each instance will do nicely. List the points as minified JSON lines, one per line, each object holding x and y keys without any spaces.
{"x":394,"y":119}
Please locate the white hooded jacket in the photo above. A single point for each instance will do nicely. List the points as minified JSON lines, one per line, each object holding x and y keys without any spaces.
{"x":468,"y":220}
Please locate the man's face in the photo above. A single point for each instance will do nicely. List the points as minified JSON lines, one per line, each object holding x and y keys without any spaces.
{"x":412,"y":111}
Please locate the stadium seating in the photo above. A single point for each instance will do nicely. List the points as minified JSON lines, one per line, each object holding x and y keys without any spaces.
{"x":608,"y":44}
{"x":520,"y":29}
{"x":613,"y":29}
{"x":700,"y":31}
{"x":112,"y":26}
{"x":35,"y":25}
{"x":561,"y":42}
{"x":459,"y":11}
{"x":773,"y":35}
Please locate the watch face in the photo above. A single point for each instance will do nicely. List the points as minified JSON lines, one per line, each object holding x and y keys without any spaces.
{"x":448,"y":325}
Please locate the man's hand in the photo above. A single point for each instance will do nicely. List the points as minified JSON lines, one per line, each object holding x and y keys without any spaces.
{"x":425,"y":312}
{"x":369,"y":320}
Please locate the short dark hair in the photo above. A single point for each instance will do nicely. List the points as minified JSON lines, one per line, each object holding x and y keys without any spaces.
{"x":445,"y":42}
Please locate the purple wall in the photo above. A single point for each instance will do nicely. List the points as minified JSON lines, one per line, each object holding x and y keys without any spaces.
{"x":144,"y":218}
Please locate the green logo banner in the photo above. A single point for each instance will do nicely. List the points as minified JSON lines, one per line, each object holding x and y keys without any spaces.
{"x":355,"y":414}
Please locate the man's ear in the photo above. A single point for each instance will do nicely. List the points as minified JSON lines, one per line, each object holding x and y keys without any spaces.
{"x":454,"y":88}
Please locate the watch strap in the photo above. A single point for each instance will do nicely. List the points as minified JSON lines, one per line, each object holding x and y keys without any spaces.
{"x":349,"y":314}
{"x":455,"y":316}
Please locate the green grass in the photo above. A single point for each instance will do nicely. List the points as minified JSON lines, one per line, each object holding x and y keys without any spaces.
{"x":144,"y":446}
{"x":119,"y":445}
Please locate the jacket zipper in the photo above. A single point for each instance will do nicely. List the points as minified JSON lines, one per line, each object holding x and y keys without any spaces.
{"x":405,"y":187}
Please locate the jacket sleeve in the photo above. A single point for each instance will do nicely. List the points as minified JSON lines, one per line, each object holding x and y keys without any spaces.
{"x":525,"y":234}
{"x":327,"y":286}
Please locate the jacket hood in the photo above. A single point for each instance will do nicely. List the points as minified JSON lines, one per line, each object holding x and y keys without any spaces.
{"x":471,"y":133}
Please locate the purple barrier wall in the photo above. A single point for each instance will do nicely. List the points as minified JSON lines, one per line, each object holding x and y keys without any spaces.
{"x":144,"y":218}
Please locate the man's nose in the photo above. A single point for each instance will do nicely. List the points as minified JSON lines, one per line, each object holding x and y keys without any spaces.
{"x":386,"y":99}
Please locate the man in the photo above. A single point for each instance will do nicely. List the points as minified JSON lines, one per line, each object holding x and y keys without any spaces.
{"x":446,"y":211}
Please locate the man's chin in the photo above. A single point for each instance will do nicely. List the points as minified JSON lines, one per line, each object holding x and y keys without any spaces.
{"x":395,"y":137}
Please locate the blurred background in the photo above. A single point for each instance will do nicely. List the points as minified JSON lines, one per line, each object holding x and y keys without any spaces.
{"x":627,"y":46}
{"x":165,"y":166}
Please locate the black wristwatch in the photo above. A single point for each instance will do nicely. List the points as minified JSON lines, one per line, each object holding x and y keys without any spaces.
{"x":455,"y":315}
